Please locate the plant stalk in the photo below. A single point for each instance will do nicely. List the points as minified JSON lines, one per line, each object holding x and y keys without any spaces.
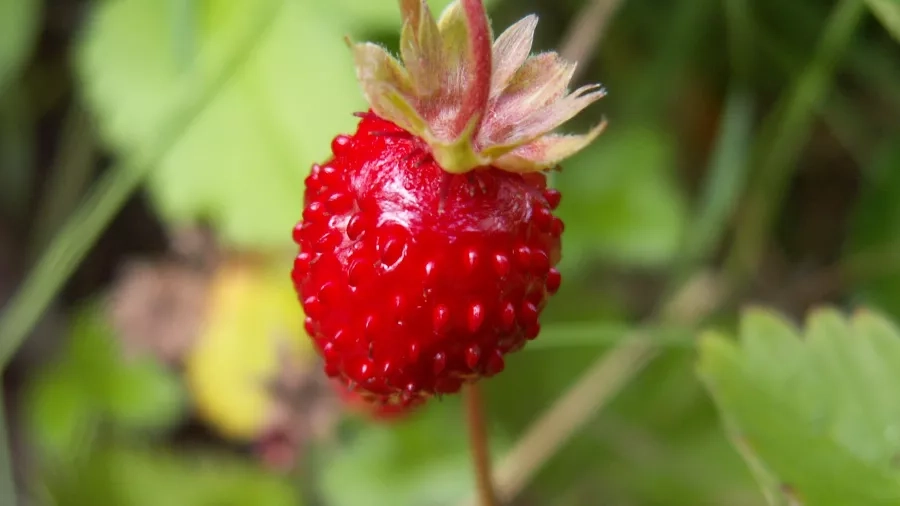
{"x":478,"y":442}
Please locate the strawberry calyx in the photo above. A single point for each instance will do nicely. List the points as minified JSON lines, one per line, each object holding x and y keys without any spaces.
{"x":474,"y":100}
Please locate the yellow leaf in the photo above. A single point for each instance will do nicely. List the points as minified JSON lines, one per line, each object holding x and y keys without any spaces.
{"x":254,"y":326}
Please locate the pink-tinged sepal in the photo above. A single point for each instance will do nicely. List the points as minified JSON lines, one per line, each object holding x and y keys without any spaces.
{"x":546,"y":153}
{"x":510,"y":51}
{"x":387,"y":86}
{"x":421,"y":47}
{"x":474,"y":100}
{"x":552,"y":114}
{"x":466,"y":22}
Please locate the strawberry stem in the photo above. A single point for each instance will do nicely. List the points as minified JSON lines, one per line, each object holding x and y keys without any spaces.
{"x":478,"y":443}
{"x":480,"y":43}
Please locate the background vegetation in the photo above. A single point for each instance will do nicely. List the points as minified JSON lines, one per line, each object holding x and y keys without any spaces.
{"x":152,"y":154}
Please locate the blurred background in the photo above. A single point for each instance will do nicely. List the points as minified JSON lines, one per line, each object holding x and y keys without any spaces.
{"x":152,"y":155}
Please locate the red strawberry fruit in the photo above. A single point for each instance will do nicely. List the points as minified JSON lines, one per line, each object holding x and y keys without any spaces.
{"x":428,"y":241}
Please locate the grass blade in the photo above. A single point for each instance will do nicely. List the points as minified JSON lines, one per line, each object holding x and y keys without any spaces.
{"x":784,"y":134}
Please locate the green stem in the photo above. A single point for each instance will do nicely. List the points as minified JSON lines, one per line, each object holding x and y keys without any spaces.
{"x":479,"y":445}
{"x":784,"y":135}
{"x":81,"y":231}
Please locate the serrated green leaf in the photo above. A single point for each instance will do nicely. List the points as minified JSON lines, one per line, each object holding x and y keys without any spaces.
{"x":621,"y":201}
{"x":242,"y":163}
{"x":819,"y":410}
{"x":18,"y":32}
{"x":888,"y":12}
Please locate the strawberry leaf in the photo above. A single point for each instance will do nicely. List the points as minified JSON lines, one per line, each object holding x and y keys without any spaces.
{"x":241,"y":164}
{"x":817,"y":411}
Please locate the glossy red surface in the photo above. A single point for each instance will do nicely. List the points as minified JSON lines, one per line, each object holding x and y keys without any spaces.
{"x":414,"y":280}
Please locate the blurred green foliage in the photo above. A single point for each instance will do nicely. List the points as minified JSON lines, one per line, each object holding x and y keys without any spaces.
{"x":139,"y":476}
{"x":622,"y":204}
{"x":874,"y":243}
{"x":19,"y":22}
{"x":717,"y":113}
{"x":91,"y":384}
{"x":92,"y":413}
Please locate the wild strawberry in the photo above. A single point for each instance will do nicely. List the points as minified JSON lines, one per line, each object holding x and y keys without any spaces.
{"x":428,"y":241}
